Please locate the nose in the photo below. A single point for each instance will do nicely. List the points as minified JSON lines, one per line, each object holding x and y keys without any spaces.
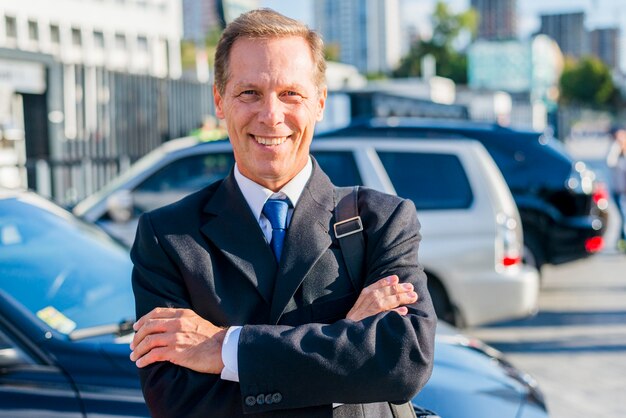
{"x":272,"y":111}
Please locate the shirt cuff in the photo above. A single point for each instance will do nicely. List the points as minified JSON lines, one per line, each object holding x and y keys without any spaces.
{"x":230,"y":349}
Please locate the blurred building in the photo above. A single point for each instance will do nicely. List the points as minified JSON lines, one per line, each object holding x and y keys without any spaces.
{"x":605,"y":44}
{"x":496,"y":19}
{"x":202,"y":16}
{"x":528,"y":71}
{"x":365,"y":34}
{"x":138,"y":36}
{"x":199,"y":18}
{"x":568,"y":30}
{"x":88,"y":86}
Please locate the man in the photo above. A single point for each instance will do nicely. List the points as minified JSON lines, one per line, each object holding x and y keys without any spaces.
{"x":230,"y":327}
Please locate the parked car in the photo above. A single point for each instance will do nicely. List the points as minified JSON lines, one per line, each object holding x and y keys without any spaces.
{"x":472,"y":242}
{"x":558,"y":200}
{"x":65,"y":324}
{"x":65,"y":300}
{"x":482,"y":383}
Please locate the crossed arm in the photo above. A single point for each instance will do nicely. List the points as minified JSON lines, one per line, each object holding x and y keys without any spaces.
{"x":373,"y":355}
{"x":182,"y":337}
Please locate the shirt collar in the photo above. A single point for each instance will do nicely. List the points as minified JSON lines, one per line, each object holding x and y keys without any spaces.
{"x":256,"y":195}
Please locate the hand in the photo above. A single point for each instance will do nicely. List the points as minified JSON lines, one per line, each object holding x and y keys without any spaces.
{"x":179,"y":336}
{"x":387,"y":294}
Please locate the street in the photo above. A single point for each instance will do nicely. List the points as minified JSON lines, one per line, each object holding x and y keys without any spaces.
{"x":575,"y":346}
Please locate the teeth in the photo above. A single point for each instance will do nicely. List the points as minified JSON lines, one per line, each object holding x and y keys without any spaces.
{"x":270,"y":140}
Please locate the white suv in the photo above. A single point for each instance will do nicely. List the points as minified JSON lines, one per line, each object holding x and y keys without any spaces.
{"x":472,"y":237}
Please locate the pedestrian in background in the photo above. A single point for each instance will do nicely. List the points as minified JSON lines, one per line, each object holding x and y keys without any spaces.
{"x":246,"y":305}
{"x":616,"y":161}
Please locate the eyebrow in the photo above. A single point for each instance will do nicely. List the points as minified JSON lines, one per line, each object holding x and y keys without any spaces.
{"x":248,"y":85}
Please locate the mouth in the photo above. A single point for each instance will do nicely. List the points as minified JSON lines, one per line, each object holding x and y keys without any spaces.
{"x":270,"y":140}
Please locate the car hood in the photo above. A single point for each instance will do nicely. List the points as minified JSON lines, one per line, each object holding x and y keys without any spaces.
{"x":479,"y":380}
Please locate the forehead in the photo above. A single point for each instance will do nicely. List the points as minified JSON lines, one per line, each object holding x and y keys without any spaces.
{"x":284,"y":58}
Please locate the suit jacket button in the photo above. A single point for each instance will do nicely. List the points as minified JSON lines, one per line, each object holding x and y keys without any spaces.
{"x":250,"y":400}
{"x":277,"y":397}
{"x":268,"y":399}
{"x":260,"y":399}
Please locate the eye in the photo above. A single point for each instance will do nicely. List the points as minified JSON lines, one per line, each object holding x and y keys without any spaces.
{"x":292,"y":96}
{"x":248,"y":96}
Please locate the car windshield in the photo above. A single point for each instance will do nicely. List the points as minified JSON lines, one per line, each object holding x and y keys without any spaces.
{"x":69,"y":274}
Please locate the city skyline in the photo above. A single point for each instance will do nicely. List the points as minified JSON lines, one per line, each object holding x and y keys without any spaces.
{"x":599,"y":14}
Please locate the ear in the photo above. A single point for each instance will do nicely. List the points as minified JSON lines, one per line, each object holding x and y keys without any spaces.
{"x":217,"y":100}
{"x":321,"y":104}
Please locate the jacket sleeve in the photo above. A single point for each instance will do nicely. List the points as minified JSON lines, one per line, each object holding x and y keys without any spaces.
{"x":170,"y":390}
{"x":386,"y":357}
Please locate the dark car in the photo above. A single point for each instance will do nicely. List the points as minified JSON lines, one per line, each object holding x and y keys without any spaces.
{"x":66,"y":310}
{"x":65,"y":303}
{"x":557,"y":197}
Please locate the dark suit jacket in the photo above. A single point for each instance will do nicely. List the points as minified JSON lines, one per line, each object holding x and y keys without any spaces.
{"x":297,"y":353}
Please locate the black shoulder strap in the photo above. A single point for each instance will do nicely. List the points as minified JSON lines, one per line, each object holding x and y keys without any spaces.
{"x":348,"y":229}
{"x":349,"y":232}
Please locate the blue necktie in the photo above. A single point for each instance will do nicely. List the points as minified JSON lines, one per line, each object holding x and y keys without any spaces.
{"x":275,"y":210}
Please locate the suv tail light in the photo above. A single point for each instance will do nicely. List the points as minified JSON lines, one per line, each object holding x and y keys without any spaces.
{"x":594,"y":244}
{"x":508,"y":241}
{"x":600,"y":196}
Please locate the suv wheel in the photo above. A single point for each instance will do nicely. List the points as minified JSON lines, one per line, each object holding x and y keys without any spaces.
{"x":441,"y":302}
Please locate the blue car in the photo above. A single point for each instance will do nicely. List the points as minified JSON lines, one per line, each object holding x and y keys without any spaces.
{"x":472,"y":379}
{"x":66,"y":314}
{"x":65,"y":305}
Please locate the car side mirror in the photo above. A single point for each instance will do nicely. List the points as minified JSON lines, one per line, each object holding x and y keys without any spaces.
{"x":120,"y":206}
{"x":10,"y":357}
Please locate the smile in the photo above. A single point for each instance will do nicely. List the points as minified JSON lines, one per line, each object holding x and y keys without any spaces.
{"x":263,"y":140}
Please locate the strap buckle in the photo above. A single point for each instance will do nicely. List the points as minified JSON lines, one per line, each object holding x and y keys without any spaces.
{"x":348,"y":227}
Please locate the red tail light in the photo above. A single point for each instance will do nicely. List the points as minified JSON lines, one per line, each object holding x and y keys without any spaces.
{"x":508,"y":241}
{"x":511,"y":261}
{"x":601,"y":196}
{"x":594,"y":244}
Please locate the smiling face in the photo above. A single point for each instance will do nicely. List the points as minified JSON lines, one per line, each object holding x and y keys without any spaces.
{"x":270,"y":104}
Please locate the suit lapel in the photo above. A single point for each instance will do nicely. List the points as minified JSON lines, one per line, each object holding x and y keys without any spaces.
{"x":236,"y":233}
{"x":306,"y":240}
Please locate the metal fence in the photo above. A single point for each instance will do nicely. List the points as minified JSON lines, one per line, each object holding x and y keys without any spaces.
{"x":112,"y":119}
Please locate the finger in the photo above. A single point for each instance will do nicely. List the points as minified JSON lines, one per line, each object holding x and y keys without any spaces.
{"x":402,"y":310}
{"x":385,"y":281}
{"x":150,"y":326}
{"x":155,"y":355}
{"x":394,"y":289}
{"x":148,"y":344}
{"x":407,"y":298}
{"x":397,"y":300}
{"x":159,"y":313}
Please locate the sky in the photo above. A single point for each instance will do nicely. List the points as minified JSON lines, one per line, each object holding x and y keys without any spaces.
{"x":599,"y":13}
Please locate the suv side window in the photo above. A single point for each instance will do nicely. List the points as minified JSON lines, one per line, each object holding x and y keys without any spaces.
{"x":340,"y":167}
{"x":431,"y":181}
{"x":180,"y":178}
{"x":190,"y":173}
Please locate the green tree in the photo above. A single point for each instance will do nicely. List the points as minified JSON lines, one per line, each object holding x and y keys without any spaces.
{"x":448,"y":28}
{"x":332,"y":51}
{"x":188,"y":49}
{"x":587,"y":81}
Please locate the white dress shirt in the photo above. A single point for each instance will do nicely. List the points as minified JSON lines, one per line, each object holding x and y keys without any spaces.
{"x":256,"y":196}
